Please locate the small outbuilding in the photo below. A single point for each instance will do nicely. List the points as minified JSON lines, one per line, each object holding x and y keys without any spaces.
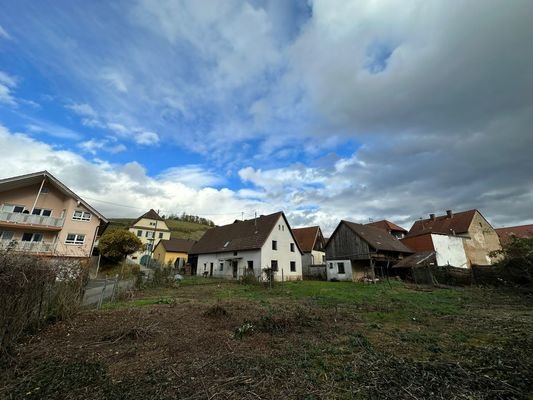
{"x":174,"y":252}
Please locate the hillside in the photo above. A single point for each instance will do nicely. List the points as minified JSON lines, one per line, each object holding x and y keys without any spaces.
{"x":178,"y":229}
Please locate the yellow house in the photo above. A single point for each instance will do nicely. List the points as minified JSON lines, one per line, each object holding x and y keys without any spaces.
{"x":150,"y":228}
{"x":173,"y":252}
{"x":40,"y":215}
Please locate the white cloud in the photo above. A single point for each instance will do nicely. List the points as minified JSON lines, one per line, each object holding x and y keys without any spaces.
{"x":48,"y":128}
{"x":146,"y":138}
{"x":102,"y":183}
{"x":3,"y":33}
{"x":116,"y":79}
{"x":7,"y":83}
{"x":83,"y":109}
{"x":138,"y":135}
{"x":92,"y":146}
{"x":192,"y":175}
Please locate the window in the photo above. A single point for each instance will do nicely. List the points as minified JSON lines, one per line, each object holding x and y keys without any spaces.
{"x":274,"y":265}
{"x":149,"y":247}
{"x":205,"y":266}
{"x":149,"y":234}
{"x":292,"y":247}
{"x":222,"y":266}
{"x":340,"y":267}
{"x":42,"y":211}
{"x":293,"y":266}
{"x":32,"y":237}
{"x":6,"y":235}
{"x":250,"y":265}
{"x":139,"y":233}
{"x":330,"y":265}
{"x":235,"y":253}
{"x":81,"y":215}
{"x":75,"y":238}
{"x":160,"y":235}
{"x":152,"y":223}
{"x":274,"y":245}
{"x":12,"y":208}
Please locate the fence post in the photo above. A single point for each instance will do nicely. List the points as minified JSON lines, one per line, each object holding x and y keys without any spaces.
{"x":102,"y":295}
{"x":115,"y":287}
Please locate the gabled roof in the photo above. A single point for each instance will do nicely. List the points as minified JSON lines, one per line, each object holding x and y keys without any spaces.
{"x":387,"y":225}
{"x":376,"y":237}
{"x":458,"y":223}
{"x":149,"y":215}
{"x":241,"y":235}
{"x":37,"y":178}
{"x":177,"y":245}
{"x":520,"y":231}
{"x":306,"y":237}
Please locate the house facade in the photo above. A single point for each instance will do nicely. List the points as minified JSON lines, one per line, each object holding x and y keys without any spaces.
{"x":173,"y":252}
{"x":150,"y":228}
{"x":313,"y":246}
{"x":355,"y":252}
{"x":248,"y":247}
{"x":478,"y":236}
{"x":42,"y":216}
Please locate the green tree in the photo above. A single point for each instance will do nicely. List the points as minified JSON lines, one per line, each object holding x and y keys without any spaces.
{"x":117,"y":244}
{"x":517,"y":260}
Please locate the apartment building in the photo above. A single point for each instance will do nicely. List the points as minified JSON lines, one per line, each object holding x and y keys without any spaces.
{"x":40,"y":215}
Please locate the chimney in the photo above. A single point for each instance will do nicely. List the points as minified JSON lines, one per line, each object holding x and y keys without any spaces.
{"x":449,"y":213}
{"x":432,"y":217}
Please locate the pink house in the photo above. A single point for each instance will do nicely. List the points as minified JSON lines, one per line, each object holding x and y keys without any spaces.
{"x":40,"y":215}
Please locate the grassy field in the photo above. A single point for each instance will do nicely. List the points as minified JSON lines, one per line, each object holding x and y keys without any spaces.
{"x":211,"y":339}
{"x":178,"y":229}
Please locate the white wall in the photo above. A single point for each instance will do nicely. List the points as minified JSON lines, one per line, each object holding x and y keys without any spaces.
{"x":282,"y":234}
{"x":449,"y":250}
{"x":242,"y":258}
{"x":332,"y":270}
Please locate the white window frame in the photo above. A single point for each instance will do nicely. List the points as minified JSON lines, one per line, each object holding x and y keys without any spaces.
{"x":11,"y":207}
{"x":34,"y":235}
{"x":79,"y":239}
{"x":41,"y":210}
{"x":85,"y":216}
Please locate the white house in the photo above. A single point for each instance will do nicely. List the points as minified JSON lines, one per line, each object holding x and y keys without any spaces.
{"x":248,"y":247}
{"x":150,"y":228}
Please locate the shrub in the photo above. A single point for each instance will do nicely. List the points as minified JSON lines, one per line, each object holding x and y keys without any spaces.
{"x":34,"y":290}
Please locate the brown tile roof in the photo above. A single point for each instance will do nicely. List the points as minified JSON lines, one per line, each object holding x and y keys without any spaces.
{"x":520,"y":231}
{"x":306,"y":237}
{"x":387,"y":225}
{"x":458,"y":223}
{"x":241,"y":235}
{"x":178,"y":245}
{"x":377,"y":238}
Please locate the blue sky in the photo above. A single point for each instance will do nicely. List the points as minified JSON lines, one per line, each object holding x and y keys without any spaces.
{"x":325,"y":109}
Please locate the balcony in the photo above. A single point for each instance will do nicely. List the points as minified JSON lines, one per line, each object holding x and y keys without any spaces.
{"x":29,"y":247}
{"x":29,"y":220}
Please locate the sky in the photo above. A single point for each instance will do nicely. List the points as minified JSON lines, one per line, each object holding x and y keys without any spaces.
{"x":325,"y":109}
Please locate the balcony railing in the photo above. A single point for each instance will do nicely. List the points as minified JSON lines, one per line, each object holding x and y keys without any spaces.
{"x":29,"y":219}
{"x":30,"y":247}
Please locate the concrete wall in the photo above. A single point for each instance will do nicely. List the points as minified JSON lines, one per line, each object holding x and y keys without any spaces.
{"x":449,"y":250}
{"x":226,"y":258}
{"x":332,"y":270}
{"x":483,"y":239}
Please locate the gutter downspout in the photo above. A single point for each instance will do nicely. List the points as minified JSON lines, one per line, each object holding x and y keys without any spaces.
{"x":38,"y":194}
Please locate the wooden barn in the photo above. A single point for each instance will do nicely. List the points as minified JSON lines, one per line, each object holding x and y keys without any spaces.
{"x":356,"y":252}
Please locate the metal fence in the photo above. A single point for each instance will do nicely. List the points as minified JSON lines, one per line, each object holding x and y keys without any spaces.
{"x":99,"y":291}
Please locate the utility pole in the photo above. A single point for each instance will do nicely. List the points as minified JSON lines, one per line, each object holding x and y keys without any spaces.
{"x":151,"y":251}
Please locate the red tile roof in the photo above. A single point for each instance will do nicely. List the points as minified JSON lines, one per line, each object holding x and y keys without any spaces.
{"x":520,"y":231}
{"x":458,"y":223}
{"x":387,"y":225}
{"x":306,"y":237}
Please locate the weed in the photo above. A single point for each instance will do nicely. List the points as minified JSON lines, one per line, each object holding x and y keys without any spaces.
{"x":244,"y":330}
